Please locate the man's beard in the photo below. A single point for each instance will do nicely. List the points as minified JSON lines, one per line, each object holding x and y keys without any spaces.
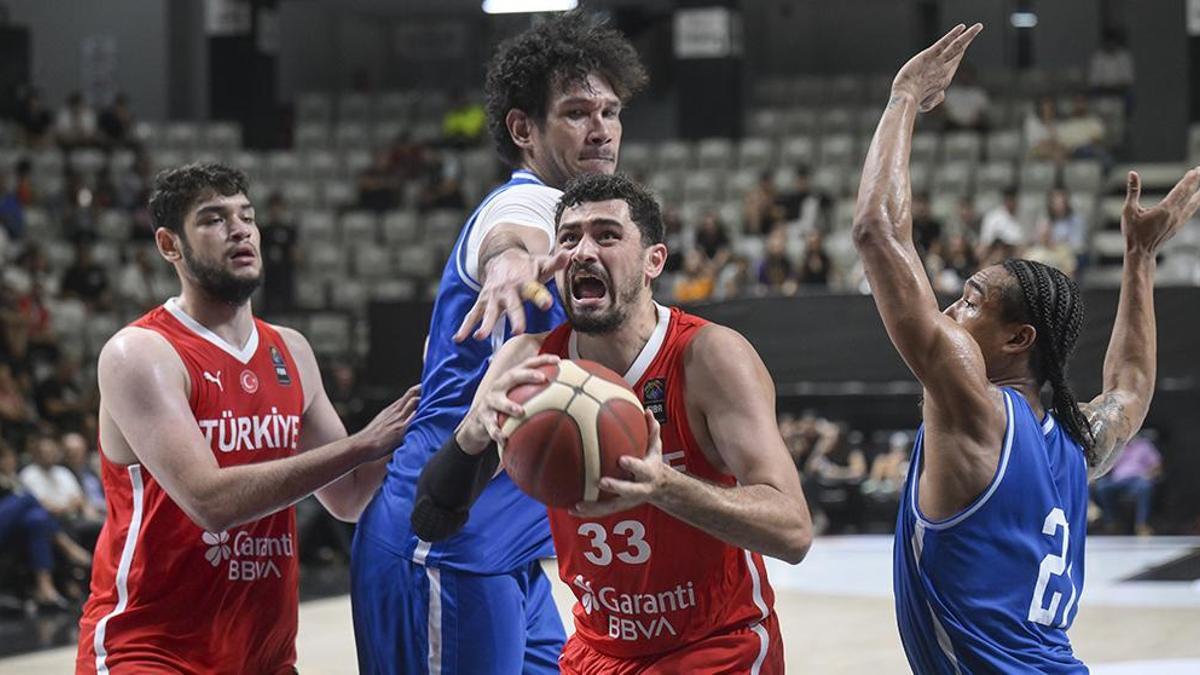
{"x":217,"y":281}
{"x":606,"y":320}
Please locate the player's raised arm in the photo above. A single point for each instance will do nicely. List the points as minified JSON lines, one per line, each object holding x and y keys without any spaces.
{"x":143,"y":387}
{"x":1130,"y":363}
{"x":766,"y":511}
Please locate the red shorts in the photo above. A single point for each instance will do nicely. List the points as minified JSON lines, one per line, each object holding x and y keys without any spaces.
{"x":756,"y":649}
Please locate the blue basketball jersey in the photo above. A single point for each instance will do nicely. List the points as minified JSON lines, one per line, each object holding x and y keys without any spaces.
{"x":507,"y":529}
{"x":995,"y":588}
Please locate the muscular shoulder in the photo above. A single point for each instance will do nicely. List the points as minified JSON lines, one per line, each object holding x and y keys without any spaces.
{"x":138,"y":358}
{"x":719,"y":363}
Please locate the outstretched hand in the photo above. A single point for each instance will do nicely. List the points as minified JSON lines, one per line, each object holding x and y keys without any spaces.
{"x":927,"y":75}
{"x":1147,"y":229}
{"x":512,"y":278}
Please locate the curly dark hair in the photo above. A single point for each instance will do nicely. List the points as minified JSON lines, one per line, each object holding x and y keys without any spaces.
{"x":177,"y":190}
{"x":1048,"y":300}
{"x":600,"y":187}
{"x":561,"y":52}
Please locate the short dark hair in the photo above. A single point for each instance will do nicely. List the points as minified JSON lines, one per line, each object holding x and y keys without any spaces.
{"x":559,"y":52}
{"x":599,"y":187}
{"x":177,"y":190}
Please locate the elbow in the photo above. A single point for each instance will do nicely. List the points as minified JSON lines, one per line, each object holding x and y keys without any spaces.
{"x":869,"y":231}
{"x":210,"y":519}
{"x":795,"y":548}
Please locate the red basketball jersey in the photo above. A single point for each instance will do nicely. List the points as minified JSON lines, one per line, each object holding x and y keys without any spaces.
{"x":646,"y":582}
{"x":167,"y":596}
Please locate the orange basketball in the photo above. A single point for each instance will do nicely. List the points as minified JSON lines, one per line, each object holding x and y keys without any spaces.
{"x":575,"y":428}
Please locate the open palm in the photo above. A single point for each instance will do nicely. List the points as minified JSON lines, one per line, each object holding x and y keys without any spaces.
{"x":1147,"y":229}
{"x":927,"y":75}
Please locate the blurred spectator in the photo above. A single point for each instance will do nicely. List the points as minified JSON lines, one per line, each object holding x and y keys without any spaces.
{"x":23,"y":518}
{"x":814,"y":261}
{"x":713,"y":240}
{"x":889,"y":469}
{"x":345,"y":396}
{"x":733,"y":280}
{"x":60,"y":398}
{"x":464,"y":122}
{"x":1041,"y":131}
{"x":52,"y":483}
{"x":803,"y":205}
{"x":926,"y":228}
{"x":442,"y":190}
{"x":280,"y":256}
{"x":759,"y":205}
{"x":675,"y":239}
{"x":835,"y":471}
{"x":116,"y":122}
{"x":997,"y":253}
{"x":1001,"y":224}
{"x":378,"y":186}
{"x":133,"y":186}
{"x":1065,"y":225}
{"x":1133,"y":476}
{"x":140,"y":286}
{"x":86,"y":280}
{"x":776,"y":274}
{"x":26,"y":194}
{"x":18,"y":414}
{"x":950,"y":265}
{"x":12,"y":213}
{"x":967,"y":102}
{"x":695,"y":284}
{"x":75,"y":124}
{"x":407,"y":158}
{"x":35,"y":119}
{"x":968,"y":219}
{"x":1082,"y":134}
{"x":1111,"y":67}
{"x":74,"y":207}
{"x":79,"y":459}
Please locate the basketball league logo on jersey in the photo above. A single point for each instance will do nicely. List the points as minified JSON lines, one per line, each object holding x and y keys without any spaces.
{"x":281,"y":371}
{"x":654,"y":398}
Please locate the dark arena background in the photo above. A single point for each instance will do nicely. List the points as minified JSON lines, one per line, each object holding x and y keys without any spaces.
{"x":360,"y":124}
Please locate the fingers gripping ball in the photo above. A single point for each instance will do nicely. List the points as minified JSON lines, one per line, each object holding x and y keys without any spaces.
{"x":575,"y":428}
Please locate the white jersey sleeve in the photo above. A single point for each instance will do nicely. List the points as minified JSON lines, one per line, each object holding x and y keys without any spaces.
{"x":528,"y":205}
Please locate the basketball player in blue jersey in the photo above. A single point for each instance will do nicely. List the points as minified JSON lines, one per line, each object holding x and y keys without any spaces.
{"x":988,"y":558}
{"x":479,"y":602}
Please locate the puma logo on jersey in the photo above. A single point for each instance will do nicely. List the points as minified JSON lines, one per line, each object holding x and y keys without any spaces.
{"x":214,"y":379}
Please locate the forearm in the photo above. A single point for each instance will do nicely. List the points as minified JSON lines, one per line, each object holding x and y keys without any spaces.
{"x":885,"y":195}
{"x":346,"y":497}
{"x":240,"y":494}
{"x":498,"y":243}
{"x":1130,"y":362}
{"x":759,"y":518}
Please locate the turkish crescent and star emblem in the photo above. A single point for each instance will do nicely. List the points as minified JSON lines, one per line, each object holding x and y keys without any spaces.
{"x":249,"y":382}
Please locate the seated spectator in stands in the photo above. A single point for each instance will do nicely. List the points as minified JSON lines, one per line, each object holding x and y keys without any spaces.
{"x":116,"y":122}
{"x":60,"y":398}
{"x":1111,"y":68}
{"x":18,"y":413}
{"x":141,"y":286}
{"x":280,"y":256}
{"x":464,"y":123}
{"x":967,"y":103}
{"x":1041,"y":132}
{"x":1082,"y":133}
{"x":378,"y":185}
{"x":74,"y":207}
{"x":407,"y":158}
{"x":75,"y":124}
{"x":134,"y":185}
{"x":733,"y":280}
{"x":1065,"y":225}
{"x":968,"y":219}
{"x":442,"y":191}
{"x":346,"y":397}
{"x":889,"y":469}
{"x":107,"y":194}
{"x":776,"y":274}
{"x":85,"y":280}
{"x":712,"y":239}
{"x":12,"y":214}
{"x":834,"y":473}
{"x":27,"y":194}
{"x":53,"y":484}
{"x":815,"y":267}
{"x":82,"y":463}
{"x":35,"y":120}
{"x":695,"y":283}
{"x":23,"y":518}
{"x":803,"y":205}
{"x":926,"y":228}
{"x":1001,"y":224}
{"x":1133,"y":476}
{"x":952,"y":265}
{"x":759,"y":205}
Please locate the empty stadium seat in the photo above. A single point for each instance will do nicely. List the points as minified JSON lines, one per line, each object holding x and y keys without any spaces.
{"x":359,"y":227}
{"x":756,"y":153}
{"x":715,"y":153}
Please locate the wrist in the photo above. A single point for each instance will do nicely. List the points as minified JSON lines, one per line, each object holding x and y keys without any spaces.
{"x":513,"y":251}
{"x":1139,"y":255}
{"x":900,"y":95}
{"x":471,"y":438}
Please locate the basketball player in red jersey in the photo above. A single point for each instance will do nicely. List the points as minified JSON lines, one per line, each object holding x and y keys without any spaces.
{"x":212,"y":424}
{"x":669,"y":577}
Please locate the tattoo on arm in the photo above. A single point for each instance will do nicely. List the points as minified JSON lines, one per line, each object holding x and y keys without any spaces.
{"x":1111,"y":428}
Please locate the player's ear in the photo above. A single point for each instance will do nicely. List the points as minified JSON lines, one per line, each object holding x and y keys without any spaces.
{"x":169,"y":246}
{"x":520,"y":128}
{"x":656,"y":259}
{"x":1021,"y":340}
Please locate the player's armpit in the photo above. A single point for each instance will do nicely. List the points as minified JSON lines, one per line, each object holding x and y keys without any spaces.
{"x":1112,"y":426}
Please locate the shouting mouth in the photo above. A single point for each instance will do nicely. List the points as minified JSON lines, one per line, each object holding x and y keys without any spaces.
{"x":588,"y":288}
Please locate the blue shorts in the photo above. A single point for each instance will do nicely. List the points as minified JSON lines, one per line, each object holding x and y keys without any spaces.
{"x":420,"y":620}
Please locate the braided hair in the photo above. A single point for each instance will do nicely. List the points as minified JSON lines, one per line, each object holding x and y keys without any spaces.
{"x":1048,"y":300}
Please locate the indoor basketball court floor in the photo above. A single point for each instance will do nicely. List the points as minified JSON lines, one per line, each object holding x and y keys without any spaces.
{"x":1139,"y":614}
